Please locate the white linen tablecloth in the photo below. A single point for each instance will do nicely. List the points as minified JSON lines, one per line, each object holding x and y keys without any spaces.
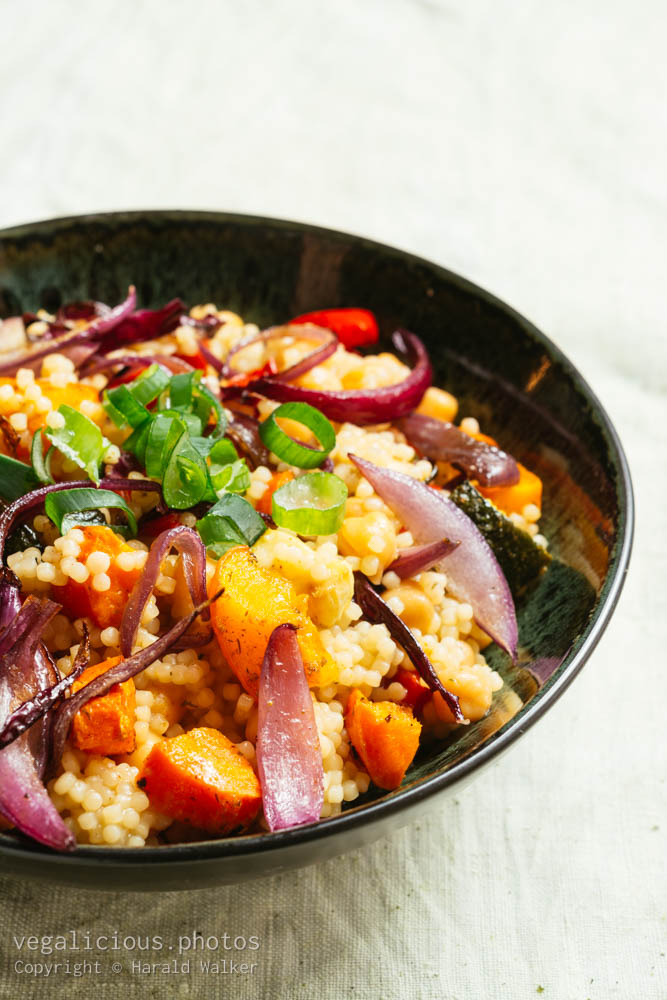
{"x":522,"y":144}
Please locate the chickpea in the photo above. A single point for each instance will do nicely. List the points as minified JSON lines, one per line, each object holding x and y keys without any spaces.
{"x":417,"y":610}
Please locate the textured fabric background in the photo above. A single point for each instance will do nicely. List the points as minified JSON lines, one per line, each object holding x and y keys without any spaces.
{"x":522,"y":144}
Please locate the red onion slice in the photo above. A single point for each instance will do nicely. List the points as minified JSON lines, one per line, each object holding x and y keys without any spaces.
{"x":86,"y":310}
{"x":378,"y":611}
{"x":243,"y":431}
{"x":95,"y":331}
{"x":289,"y":757}
{"x":24,"y":800}
{"x":103,"y":364}
{"x":46,"y":673}
{"x":122,"y":671}
{"x":191,"y":548}
{"x":472,"y":569}
{"x":208,"y":356}
{"x":35,"y":708}
{"x":419,"y":558}
{"x":443,"y":442}
{"x":307,"y":331}
{"x":144,"y":324}
{"x":362,"y":406}
{"x":10,"y":598}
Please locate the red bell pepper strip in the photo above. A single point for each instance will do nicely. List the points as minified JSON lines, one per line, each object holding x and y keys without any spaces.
{"x":156,"y":525}
{"x":194,"y":360}
{"x":417,"y":692}
{"x":245,"y":378}
{"x":353,"y":327}
{"x":129,"y":376}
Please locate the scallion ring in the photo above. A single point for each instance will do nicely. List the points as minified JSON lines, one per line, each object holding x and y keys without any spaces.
{"x":312,"y":504}
{"x":293,"y":452}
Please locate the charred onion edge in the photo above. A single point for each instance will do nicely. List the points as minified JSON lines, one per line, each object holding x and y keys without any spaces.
{"x":35,"y":708}
{"x":376,"y":610}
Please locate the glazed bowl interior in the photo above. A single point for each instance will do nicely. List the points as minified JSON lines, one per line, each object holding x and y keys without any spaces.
{"x":503,"y":371}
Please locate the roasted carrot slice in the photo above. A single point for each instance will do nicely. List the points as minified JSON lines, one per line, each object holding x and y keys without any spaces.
{"x":278,"y":479}
{"x":82,"y":600}
{"x":203,"y":780}
{"x":253,"y":602}
{"x":385,"y":735}
{"x":105,"y":724}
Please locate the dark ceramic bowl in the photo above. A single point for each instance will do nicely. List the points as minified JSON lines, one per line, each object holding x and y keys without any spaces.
{"x":503,"y":370}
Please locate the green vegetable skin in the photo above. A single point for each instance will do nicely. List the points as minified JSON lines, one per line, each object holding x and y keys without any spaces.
{"x":521,"y":560}
{"x":80,"y":440}
{"x":16,"y":478}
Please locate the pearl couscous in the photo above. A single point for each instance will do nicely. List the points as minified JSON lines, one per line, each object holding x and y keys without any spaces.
{"x":92,"y":572}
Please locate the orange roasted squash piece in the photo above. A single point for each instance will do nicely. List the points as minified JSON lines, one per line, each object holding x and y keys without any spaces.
{"x":512,"y":499}
{"x":253,"y":602}
{"x":203,"y":780}
{"x":73,"y":394}
{"x":385,"y":735}
{"x":105,"y":724}
{"x":81,"y":600}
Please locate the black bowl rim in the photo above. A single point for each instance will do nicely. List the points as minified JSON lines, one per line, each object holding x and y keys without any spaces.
{"x":500,"y":741}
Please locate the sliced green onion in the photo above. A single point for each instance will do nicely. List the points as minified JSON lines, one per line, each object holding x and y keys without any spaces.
{"x":136,"y":442}
{"x":124,"y":408}
{"x":201,"y":407}
{"x":148,"y":386}
{"x":180,"y":390}
{"x":231,"y":478}
{"x":126,"y":404}
{"x":80,"y":440}
{"x":223,"y":452}
{"x":71,"y":507}
{"x":231,"y":521}
{"x":228,"y":472}
{"x":204,"y":402}
{"x":293,"y":452}
{"x":312,"y":504}
{"x":164,"y":431}
{"x":191,"y":421}
{"x":41,"y":463}
{"x":185,"y":481}
{"x":16,"y":478}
